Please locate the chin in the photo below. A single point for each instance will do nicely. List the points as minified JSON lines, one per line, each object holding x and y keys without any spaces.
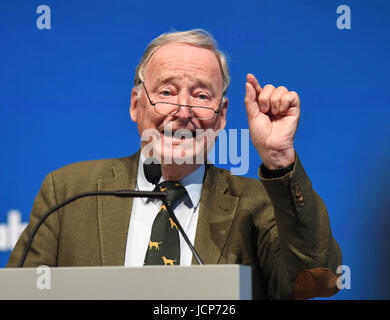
{"x":178,"y":156}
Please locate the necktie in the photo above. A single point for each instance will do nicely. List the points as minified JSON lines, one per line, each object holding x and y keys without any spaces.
{"x":164,"y":244}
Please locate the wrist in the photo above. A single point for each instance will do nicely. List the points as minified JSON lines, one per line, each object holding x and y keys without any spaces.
{"x":274,"y":160}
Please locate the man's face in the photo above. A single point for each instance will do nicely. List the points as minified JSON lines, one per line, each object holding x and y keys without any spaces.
{"x":182,"y":74}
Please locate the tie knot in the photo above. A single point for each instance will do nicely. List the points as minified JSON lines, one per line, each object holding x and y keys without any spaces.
{"x":175,"y":191}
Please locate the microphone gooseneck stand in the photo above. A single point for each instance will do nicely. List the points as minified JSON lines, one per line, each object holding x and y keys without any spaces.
{"x":119,"y":193}
{"x":152,"y":171}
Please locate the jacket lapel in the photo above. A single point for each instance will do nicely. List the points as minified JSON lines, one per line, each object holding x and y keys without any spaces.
{"x":114,"y":212}
{"x":216,"y":213}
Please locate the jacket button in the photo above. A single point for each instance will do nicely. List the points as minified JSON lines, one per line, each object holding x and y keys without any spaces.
{"x":298,"y":194}
{"x":297,"y":189}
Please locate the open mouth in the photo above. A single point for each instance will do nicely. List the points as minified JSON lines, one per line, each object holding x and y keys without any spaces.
{"x":179,"y":134}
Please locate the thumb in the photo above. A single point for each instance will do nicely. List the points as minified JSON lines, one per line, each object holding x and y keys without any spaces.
{"x":252,"y":108}
{"x":253,"y":81}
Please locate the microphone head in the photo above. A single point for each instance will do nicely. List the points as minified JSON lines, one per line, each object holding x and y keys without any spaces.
{"x":152,"y":170}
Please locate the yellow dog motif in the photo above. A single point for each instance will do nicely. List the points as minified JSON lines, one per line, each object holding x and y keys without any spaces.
{"x":154,"y":244}
{"x":173,"y":224}
{"x":168,"y":261}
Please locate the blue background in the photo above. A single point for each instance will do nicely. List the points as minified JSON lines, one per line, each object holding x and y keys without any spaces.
{"x":65,"y":93}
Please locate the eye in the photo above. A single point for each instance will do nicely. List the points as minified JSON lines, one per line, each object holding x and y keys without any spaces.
{"x":203,"y":96}
{"x":166,"y":93}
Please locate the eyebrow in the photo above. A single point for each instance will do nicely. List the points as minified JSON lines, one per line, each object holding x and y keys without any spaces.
{"x":202,"y":82}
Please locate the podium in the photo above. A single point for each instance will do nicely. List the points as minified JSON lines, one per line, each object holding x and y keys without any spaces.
{"x":208,"y":282}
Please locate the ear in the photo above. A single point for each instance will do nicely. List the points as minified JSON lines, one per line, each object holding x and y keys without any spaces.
{"x":222,"y":119}
{"x":134,"y":105}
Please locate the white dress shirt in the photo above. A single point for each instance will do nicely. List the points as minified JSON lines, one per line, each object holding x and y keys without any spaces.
{"x":145,"y":210}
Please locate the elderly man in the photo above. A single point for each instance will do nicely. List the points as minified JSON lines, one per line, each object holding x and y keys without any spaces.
{"x":279,"y":226}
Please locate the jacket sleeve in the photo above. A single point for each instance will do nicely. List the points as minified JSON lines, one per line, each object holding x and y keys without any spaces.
{"x":43,"y":250}
{"x":304,"y":255}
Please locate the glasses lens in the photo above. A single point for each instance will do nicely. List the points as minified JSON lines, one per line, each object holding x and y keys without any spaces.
{"x":202,"y":113}
{"x":166,"y":108}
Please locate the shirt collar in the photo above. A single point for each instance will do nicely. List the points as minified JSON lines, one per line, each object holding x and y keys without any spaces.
{"x":192,"y":183}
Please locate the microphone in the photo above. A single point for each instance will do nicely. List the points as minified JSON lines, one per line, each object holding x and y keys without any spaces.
{"x":118,"y":193}
{"x":152,"y":170}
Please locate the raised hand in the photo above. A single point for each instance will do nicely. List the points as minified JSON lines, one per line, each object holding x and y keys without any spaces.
{"x":273,"y":115}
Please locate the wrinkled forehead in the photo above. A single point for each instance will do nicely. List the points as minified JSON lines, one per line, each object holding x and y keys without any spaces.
{"x":176,"y":61}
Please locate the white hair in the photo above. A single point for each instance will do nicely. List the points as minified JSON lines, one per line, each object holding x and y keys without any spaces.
{"x":197,"y":37}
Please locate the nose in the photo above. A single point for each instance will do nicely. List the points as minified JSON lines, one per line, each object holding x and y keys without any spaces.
{"x":184,"y":112}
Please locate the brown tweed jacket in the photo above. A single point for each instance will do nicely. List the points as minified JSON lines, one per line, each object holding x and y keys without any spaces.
{"x":279,"y":226}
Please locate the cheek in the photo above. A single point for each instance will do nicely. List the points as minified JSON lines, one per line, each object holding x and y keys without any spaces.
{"x":148,"y":120}
{"x":214,"y":124}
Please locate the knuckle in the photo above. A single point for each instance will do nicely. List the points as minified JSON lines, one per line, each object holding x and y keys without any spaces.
{"x":269,"y":87}
{"x":275,"y":100}
{"x":263,"y":100}
{"x":285,"y":98}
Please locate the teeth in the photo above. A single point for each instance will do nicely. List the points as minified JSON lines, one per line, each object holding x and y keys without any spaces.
{"x":180,"y":133}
